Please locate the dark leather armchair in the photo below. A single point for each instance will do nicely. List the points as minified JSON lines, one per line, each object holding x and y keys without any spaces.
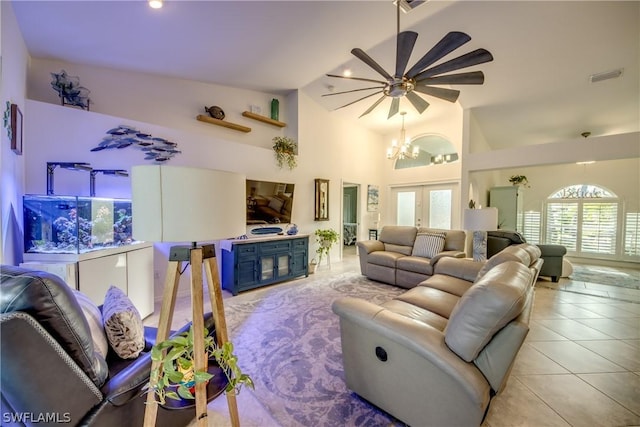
{"x":50,"y":372}
{"x":553,"y":255}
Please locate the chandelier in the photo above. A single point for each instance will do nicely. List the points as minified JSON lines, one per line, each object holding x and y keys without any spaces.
{"x":403,"y":149}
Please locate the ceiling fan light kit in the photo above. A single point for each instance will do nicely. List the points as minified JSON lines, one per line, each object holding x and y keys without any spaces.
{"x":419,"y":78}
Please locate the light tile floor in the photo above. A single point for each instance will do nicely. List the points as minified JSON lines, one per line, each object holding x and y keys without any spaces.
{"x":579,"y":366}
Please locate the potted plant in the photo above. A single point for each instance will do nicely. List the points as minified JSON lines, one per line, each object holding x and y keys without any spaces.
{"x":519,"y":180}
{"x":175,"y":376}
{"x":285,"y":150}
{"x":325,"y":238}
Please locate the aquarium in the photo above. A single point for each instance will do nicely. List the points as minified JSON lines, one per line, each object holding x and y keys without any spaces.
{"x":75,"y":225}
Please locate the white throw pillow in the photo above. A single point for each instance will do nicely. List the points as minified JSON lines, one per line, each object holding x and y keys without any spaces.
{"x":94,"y":318}
{"x":123,"y":324}
{"x":428,"y":244}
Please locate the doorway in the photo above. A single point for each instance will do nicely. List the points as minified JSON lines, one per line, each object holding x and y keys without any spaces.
{"x":350,"y":217}
{"x":432,"y":206}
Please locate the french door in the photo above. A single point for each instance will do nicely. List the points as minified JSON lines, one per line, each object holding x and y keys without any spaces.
{"x":433,"y":206}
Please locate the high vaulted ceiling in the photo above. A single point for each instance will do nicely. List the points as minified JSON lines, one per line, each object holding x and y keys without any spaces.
{"x":536,"y":90}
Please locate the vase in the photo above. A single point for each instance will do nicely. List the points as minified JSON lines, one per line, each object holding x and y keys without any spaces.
{"x":275,"y":109}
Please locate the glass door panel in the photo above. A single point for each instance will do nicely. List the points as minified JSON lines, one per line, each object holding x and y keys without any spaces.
{"x":283,"y":265}
{"x":266,"y":267}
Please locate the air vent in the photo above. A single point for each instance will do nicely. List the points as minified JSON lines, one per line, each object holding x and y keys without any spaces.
{"x":606,"y":75}
{"x":408,"y":5}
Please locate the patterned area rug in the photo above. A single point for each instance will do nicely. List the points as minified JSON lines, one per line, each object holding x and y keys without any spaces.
{"x":288,"y":339}
{"x":623,"y":277}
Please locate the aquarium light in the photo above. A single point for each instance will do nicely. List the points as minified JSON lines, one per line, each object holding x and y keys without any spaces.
{"x":94,"y":172}
{"x":74,"y":166}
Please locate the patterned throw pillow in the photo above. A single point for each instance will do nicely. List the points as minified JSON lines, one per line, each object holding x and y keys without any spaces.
{"x":428,"y":244}
{"x":123,"y":324}
{"x":94,"y":318}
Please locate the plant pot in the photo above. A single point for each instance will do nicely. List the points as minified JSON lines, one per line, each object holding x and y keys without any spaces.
{"x":312,"y":267}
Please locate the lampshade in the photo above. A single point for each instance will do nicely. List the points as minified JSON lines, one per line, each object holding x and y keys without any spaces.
{"x":485,"y":219}
{"x":185,"y":204}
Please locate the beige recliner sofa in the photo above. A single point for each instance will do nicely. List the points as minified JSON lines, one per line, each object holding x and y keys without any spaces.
{"x":435,"y":355}
{"x":389,"y":259}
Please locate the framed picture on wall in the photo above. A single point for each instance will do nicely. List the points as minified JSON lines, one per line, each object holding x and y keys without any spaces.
{"x":16,"y":129}
{"x":322,"y":200}
{"x":372,"y":198}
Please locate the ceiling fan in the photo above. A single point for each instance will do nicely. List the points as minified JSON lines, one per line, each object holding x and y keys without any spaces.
{"x":419,"y":78}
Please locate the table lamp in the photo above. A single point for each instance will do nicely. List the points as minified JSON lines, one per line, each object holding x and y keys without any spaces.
{"x":480,"y":221}
{"x":185,"y":204}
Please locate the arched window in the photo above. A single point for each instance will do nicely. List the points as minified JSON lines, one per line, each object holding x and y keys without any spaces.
{"x":584,"y":219}
{"x":434,"y":150}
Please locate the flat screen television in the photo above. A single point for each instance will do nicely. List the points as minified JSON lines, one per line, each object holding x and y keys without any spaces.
{"x":269,"y":202}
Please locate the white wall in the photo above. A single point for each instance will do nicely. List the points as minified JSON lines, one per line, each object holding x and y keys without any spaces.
{"x":327,"y":149}
{"x":13,"y":89}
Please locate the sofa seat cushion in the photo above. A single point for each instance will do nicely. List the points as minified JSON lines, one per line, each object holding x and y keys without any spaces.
{"x":452,"y":285}
{"x":433,"y":300}
{"x":417,"y":313}
{"x":384,"y":258}
{"x":495,"y":300}
{"x":416,"y":264}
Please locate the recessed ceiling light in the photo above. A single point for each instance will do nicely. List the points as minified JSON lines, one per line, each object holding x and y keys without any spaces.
{"x":155,"y":4}
{"x":346,"y":72}
{"x":587,"y":162}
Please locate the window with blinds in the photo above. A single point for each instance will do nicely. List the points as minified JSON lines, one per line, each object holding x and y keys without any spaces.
{"x":632,"y":234}
{"x":532,"y":226}
{"x":584,"y":218}
{"x":562,"y":224}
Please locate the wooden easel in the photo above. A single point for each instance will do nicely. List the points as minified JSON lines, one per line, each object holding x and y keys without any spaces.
{"x":197,"y":256}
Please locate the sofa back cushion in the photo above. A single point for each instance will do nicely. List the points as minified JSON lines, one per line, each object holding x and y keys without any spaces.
{"x":492,"y":302}
{"x":510,"y":253}
{"x":49,"y":300}
{"x":398,"y":238}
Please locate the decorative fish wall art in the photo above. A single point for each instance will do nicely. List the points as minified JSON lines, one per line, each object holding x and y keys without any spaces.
{"x":155,"y":149}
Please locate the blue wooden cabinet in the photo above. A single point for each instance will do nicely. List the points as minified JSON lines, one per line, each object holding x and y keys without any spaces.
{"x":252,"y":263}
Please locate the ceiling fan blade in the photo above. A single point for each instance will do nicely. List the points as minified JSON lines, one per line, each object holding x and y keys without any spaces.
{"x":375,"y":104}
{"x":395,"y":106}
{"x":478,"y":56}
{"x":404,"y":46}
{"x":417,"y":101}
{"x":448,"y":44}
{"x":470,"y":78}
{"x":450,"y":95}
{"x":354,"y":90}
{"x":357,"y":78}
{"x":357,"y":100}
{"x":361,"y":55}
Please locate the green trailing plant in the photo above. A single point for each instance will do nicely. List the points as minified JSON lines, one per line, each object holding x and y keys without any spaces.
{"x":519,"y":180}
{"x":285,"y":150}
{"x":175,"y":367}
{"x":325,"y":238}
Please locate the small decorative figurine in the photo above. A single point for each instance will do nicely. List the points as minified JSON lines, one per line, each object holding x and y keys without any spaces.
{"x":215,"y":112}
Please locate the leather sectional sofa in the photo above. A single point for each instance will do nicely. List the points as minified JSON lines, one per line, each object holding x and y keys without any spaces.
{"x":553,"y":255}
{"x":51,"y":368}
{"x":389,"y":259}
{"x":436,"y":354}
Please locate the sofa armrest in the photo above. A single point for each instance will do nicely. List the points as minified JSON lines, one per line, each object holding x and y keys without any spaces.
{"x":37,"y":375}
{"x":452,"y":254}
{"x":464,"y":269}
{"x":552,"y":251}
{"x":365,"y":247}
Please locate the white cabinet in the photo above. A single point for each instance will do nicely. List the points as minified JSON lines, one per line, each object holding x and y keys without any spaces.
{"x":508,"y":200}
{"x":129,"y":268}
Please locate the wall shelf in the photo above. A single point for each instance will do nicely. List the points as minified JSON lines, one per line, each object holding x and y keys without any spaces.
{"x":263,"y":119}
{"x":222,"y":123}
